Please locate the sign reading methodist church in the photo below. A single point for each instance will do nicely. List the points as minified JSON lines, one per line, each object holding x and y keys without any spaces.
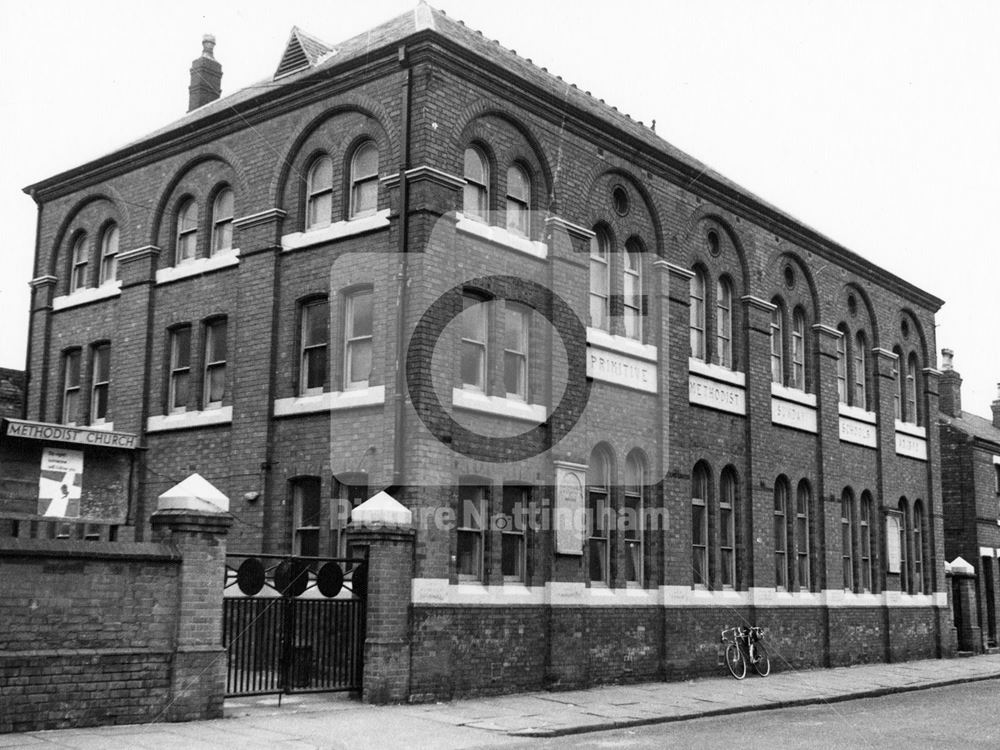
{"x":64,"y":434}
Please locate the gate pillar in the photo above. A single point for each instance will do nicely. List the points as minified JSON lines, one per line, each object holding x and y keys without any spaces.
{"x":197,"y":529}
{"x":382,"y":528}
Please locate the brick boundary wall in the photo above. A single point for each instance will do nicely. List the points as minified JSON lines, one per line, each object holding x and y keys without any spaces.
{"x":113,"y":633}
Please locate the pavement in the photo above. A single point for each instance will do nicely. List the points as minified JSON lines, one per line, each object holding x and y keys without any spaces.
{"x":334,"y":720}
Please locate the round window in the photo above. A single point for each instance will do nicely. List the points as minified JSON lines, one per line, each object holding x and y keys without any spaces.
{"x":619,"y":199}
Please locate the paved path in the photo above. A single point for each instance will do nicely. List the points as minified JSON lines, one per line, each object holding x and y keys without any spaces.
{"x":335,"y":721}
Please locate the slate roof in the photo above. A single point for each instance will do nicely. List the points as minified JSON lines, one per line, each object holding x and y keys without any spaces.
{"x":974,"y":425}
{"x":425,"y":18}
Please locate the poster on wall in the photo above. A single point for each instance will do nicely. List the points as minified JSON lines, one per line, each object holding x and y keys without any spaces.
{"x":60,"y":483}
{"x":570,"y":520}
{"x":892,"y":539}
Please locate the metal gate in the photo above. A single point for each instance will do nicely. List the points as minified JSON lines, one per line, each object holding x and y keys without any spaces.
{"x":293,"y":624}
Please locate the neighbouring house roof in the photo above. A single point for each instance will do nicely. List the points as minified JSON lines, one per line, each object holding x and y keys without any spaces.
{"x":978,"y":427}
{"x":322,"y":57}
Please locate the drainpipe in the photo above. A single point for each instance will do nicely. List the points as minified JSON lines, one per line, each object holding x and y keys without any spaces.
{"x":402,"y":277}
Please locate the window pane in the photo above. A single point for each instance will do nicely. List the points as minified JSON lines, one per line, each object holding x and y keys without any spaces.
{"x":316,"y":319}
{"x":73,"y":369}
{"x":511,"y":546}
{"x":102,"y":363}
{"x":216,"y":384}
{"x":365,"y":197}
{"x":361,"y":314}
{"x":189,"y":217}
{"x":366,"y":161}
{"x":217,"y":337}
{"x":361,"y":360}
{"x":321,"y":175}
{"x":182,"y":347}
{"x":320,"y":209}
{"x":475,"y":166}
{"x":315,"y":367}
{"x":180,"y":389}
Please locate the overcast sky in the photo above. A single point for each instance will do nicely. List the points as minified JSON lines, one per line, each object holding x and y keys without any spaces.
{"x":876,"y":123}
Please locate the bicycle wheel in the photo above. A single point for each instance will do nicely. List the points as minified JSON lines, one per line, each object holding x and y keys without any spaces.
{"x":735,"y":661}
{"x":759,"y":659}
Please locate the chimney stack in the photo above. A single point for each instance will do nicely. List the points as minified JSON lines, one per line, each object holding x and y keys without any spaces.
{"x":996,"y":409}
{"x":206,"y":76}
{"x":950,"y":388}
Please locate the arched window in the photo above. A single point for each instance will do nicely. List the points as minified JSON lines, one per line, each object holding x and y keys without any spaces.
{"x":222,"y":221}
{"x":724,"y":322}
{"x":109,"y":254}
{"x":847,"y":537}
{"x":912,"y":413}
{"x":699,"y":525}
{"x":364,"y":180}
{"x":600,"y":279}
{"x":803,"y":499}
{"x":781,"y":568}
{"x":319,"y":193}
{"x":897,"y":376}
{"x":632,"y":286}
{"x":860,"y":371}
{"x":777,"y":344}
{"x":697,"y":321}
{"x":598,"y":510}
{"x":476,"y":195}
{"x":78,"y":270}
{"x":904,"y":543}
{"x":187,"y":231}
{"x":518,"y":201}
{"x":842,"y":389}
{"x":727,"y":529}
{"x":798,"y":349}
{"x":867,"y":533}
{"x":918,"y":547}
{"x":635,"y":483}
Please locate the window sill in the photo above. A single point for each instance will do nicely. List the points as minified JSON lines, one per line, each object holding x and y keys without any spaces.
{"x":190,"y":419}
{"x":716,"y":372}
{"x":793,"y":394}
{"x":87,"y":295}
{"x":501,"y":236}
{"x":198,"y":266}
{"x":102,"y":426}
{"x":621,"y":344}
{"x":335,"y":231}
{"x":497,"y":406}
{"x":857,"y":414}
{"x":330,"y":401}
{"x":908,"y":428}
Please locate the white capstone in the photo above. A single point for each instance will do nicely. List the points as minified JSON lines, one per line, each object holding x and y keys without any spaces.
{"x":194,"y":493}
{"x":381,"y":508}
{"x":958,"y":565}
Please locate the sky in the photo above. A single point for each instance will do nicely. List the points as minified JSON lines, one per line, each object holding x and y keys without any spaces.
{"x":875,"y":123}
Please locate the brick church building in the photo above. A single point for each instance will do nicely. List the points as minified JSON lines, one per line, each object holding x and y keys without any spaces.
{"x":416,"y":261}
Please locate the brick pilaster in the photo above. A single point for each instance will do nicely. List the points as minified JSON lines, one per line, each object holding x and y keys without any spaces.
{"x":198,"y":673}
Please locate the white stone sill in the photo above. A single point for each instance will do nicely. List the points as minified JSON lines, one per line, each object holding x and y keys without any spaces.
{"x":497,"y":406}
{"x":716,"y":372}
{"x":335,"y":231}
{"x":89,"y":294}
{"x":198,"y":266}
{"x":857,"y":413}
{"x":330,"y":401}
{"x":501,"y":236}
{"x":186,"y":420}
{"x":621,"y":345}
{"x":907,"y":428}
{"x":793,"y":394}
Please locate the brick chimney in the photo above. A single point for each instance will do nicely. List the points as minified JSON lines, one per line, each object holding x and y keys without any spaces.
{"x":996,"y":409}
{"x":206,"y":76}
{"x":950,"y":386}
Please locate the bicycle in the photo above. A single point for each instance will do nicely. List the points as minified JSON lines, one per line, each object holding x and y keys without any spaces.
{"x":744,"y":646}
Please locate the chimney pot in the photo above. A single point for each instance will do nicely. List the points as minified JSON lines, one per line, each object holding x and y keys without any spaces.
{"x":947,"y":355}
{"x":996,"y":409}
{"x":208,"y":46}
